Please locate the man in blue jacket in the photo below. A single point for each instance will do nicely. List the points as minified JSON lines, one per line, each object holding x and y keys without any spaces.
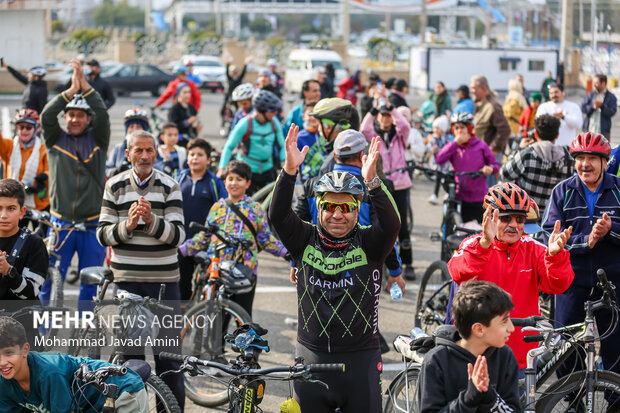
{"x":589,"y":202}
{"x":599,"y":106}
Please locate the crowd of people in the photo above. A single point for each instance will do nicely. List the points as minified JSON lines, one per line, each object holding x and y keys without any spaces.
{"x":350,"y":221}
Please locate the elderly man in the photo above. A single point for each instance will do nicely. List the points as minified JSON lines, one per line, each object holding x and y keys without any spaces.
{"x":142,"y":220}
{"x":599,"y":106}
{"x":569,"y":114}
{"x":76,"y":159}
{"x":338,"y":279}
{"x":504,"y":255}
{"x":589,"y":202}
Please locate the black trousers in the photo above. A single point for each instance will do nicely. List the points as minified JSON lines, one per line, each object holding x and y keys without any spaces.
{"x":401,"y":198}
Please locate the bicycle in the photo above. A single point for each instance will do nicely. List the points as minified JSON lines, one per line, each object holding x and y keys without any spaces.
{"x":52,"y":245}
{"x":577,"y":389}
{"x":96,"y":379}
{"x":213,"y":314}
{"x":247,"y":385}
{"x":227,"y":114}
{"x":161,"y":397}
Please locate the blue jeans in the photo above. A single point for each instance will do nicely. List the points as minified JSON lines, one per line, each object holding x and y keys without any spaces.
{"x":90,"y":253}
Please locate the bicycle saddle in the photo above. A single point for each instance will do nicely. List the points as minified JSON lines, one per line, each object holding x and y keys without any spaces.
{"x":140,"y":367}
{"x":96,"y":275}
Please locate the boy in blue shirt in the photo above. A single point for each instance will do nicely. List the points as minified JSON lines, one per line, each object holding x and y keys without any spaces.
{"x":43,"y":382}
{"x":201,"y":189}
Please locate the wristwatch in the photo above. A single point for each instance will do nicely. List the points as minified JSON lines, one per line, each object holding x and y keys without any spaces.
{"x":373,"y":183}
{"x":12,"y":273}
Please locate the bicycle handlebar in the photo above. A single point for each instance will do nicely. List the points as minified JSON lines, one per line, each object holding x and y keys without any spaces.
{"x":527,"y":322}
{"x":98,"y":377}
{"x":474,"y":174}
{"x":147,"y":302}
{"x":297,"y":368}
{"x":215,"y":230}
{"x":534,"y":338}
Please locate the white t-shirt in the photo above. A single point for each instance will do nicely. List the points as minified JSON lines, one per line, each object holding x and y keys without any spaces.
{"x":570,"y":126}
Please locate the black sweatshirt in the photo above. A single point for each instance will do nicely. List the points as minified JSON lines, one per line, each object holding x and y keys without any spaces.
{"x":338,"y":280}
{"x":443,"y":385}
{"x":31,"y":266}
{"x":35,"y":95}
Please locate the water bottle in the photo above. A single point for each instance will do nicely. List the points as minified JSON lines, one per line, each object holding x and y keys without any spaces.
{"x":396,"y":292}
{"x":243,"y":340}
{"x":416,"y":333}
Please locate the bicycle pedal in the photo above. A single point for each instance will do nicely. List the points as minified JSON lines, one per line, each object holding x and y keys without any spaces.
{"x":435,"y":236}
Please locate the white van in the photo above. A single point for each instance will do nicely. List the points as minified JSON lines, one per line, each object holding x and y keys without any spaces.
{"x":303,"y":63}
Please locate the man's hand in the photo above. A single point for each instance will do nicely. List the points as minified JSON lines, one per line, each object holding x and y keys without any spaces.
{"x":525,"y":142}
{"x":597,"y":103}
{"x":490,"y":221}
{"x":487,"y":170}
{"x":144,"y":210}
{"x":4,"y":65}
{"x":165,"y":152}
{"x":369,"y":162}
{"x":75,"y":80}
{"x":398,"y":280}
{"x":558,"y":239}
{"x":4,"y":264}
{"x":479,"y":374}
{"x":559,"y":114}
{"x":133,"y":217}
{"x":599,"y":230}
{"x":293,"y":275}
{"x":294,"y":157}
{"x":248,"y":59}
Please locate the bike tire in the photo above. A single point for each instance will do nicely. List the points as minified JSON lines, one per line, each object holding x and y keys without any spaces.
{"x":403,"y":390}
{"x":435,"y":277}
{"x":161,"y":398}
{"x":560,"y":396}
{"x":208,"y":391}
{"x":57,"y":296}
{"x":452,"y":220}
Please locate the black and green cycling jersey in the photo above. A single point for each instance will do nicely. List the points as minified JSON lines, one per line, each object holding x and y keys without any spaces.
{"x":338,"y":280}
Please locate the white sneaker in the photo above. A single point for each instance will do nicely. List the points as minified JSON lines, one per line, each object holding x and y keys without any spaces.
{"x":433,"y":200}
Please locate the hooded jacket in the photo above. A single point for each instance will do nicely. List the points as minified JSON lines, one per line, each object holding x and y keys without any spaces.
{"x":444,"y":387}
{"x":538,"y":168}
{"x":465,"y":158}
{"x":521,"y":269}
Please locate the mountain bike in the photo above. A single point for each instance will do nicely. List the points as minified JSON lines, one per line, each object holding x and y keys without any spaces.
{"x":580,"y":391}
{"x":213,"y":314}
{"x":84,"y":377}
{"x":161,"y":398}
{"x":245,"y":380}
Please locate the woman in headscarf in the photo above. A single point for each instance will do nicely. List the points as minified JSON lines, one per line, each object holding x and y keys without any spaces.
{"x":443,"y":104}
{"x":514,"y":105}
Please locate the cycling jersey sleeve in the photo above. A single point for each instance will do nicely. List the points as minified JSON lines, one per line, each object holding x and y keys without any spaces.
{"x":32,"y":270}
{"x":469,"y":261}
{"x":385,"y":233}
{"x":293,"y":232}
{"x":233,"y":140}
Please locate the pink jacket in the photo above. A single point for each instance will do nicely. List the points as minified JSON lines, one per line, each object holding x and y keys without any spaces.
{"x":394,"y":156}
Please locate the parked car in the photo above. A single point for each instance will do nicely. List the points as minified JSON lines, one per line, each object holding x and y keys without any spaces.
{"x":211,"y":71}
{"x":60,"y":75}
{"x":302,"y":63}
{"x":138,"y":77}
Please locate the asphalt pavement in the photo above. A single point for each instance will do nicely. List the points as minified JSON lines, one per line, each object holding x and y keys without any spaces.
{"x":276,"y":297}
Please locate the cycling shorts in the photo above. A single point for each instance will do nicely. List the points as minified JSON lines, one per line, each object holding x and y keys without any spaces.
{"x":356,"y":390}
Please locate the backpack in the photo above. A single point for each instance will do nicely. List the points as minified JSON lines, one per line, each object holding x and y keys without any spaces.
{"x":244,"y":145}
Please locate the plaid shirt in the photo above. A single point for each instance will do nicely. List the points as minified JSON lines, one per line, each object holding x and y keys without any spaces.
{"x":536,"y":174}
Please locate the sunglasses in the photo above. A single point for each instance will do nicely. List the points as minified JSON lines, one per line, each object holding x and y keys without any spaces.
{"x":507,"y":219}
{"x":328,"y":122}
{"x":25,"y":126}
{"x":345,"y":207}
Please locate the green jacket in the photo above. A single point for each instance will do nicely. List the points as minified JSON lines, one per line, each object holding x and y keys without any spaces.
{"x":75,"y":193}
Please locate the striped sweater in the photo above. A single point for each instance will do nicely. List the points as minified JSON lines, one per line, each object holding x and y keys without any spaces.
{"x":149,"y":253}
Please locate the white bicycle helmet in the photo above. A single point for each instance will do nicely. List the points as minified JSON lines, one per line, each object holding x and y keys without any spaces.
{"x":38,"y":71}
{"x":242,"y":92}
{"x":78,"y":102}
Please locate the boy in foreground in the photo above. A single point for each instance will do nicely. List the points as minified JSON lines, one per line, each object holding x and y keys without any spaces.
{"x":42,"y":382}
{"x":470,"y":369}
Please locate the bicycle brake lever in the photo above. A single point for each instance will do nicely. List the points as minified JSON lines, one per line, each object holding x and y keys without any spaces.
{"x":319,"y":382}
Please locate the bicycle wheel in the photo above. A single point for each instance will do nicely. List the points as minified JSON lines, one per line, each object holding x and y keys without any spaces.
{"x":209,"y":391}
{"x":403,"y":393}
{"x":161,"y":398}
{"x":432,"y":301}
{"x":452,"y":220}
{"x":57,"y":296}
{"x":568,"y":394}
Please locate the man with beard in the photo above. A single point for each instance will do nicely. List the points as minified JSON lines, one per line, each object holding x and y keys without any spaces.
{"x":99,"y":84}
{"x":504,"y":255}
{"x":589,"y":202}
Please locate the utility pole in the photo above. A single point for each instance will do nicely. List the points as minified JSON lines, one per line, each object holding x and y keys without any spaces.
{"x":566,"y":31}
{"x":148,"y":28}
{"x":581,"y":19}
{"x":593,"y":34}
{"x":345,"y":23}
{"x":423,"y":22}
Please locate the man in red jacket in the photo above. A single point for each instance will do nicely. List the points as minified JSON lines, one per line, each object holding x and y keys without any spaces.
{"x":180,"y":71}
{"x":502,"y":254}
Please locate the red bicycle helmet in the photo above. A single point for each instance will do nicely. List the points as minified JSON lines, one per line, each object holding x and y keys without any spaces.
{"x":592,"y":143}
{"x":28,"y":116}
{"x":508,"y":197}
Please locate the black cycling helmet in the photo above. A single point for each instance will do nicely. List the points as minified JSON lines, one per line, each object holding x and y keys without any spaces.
{"x":237,"y":278}
{"x":462,"y":117}
{"x":340,"y":183}
{"x":340,"y":111}
{"x":266,"y":101}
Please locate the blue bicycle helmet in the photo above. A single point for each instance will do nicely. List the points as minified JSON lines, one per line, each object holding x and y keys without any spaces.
{"x":266,"y":101}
